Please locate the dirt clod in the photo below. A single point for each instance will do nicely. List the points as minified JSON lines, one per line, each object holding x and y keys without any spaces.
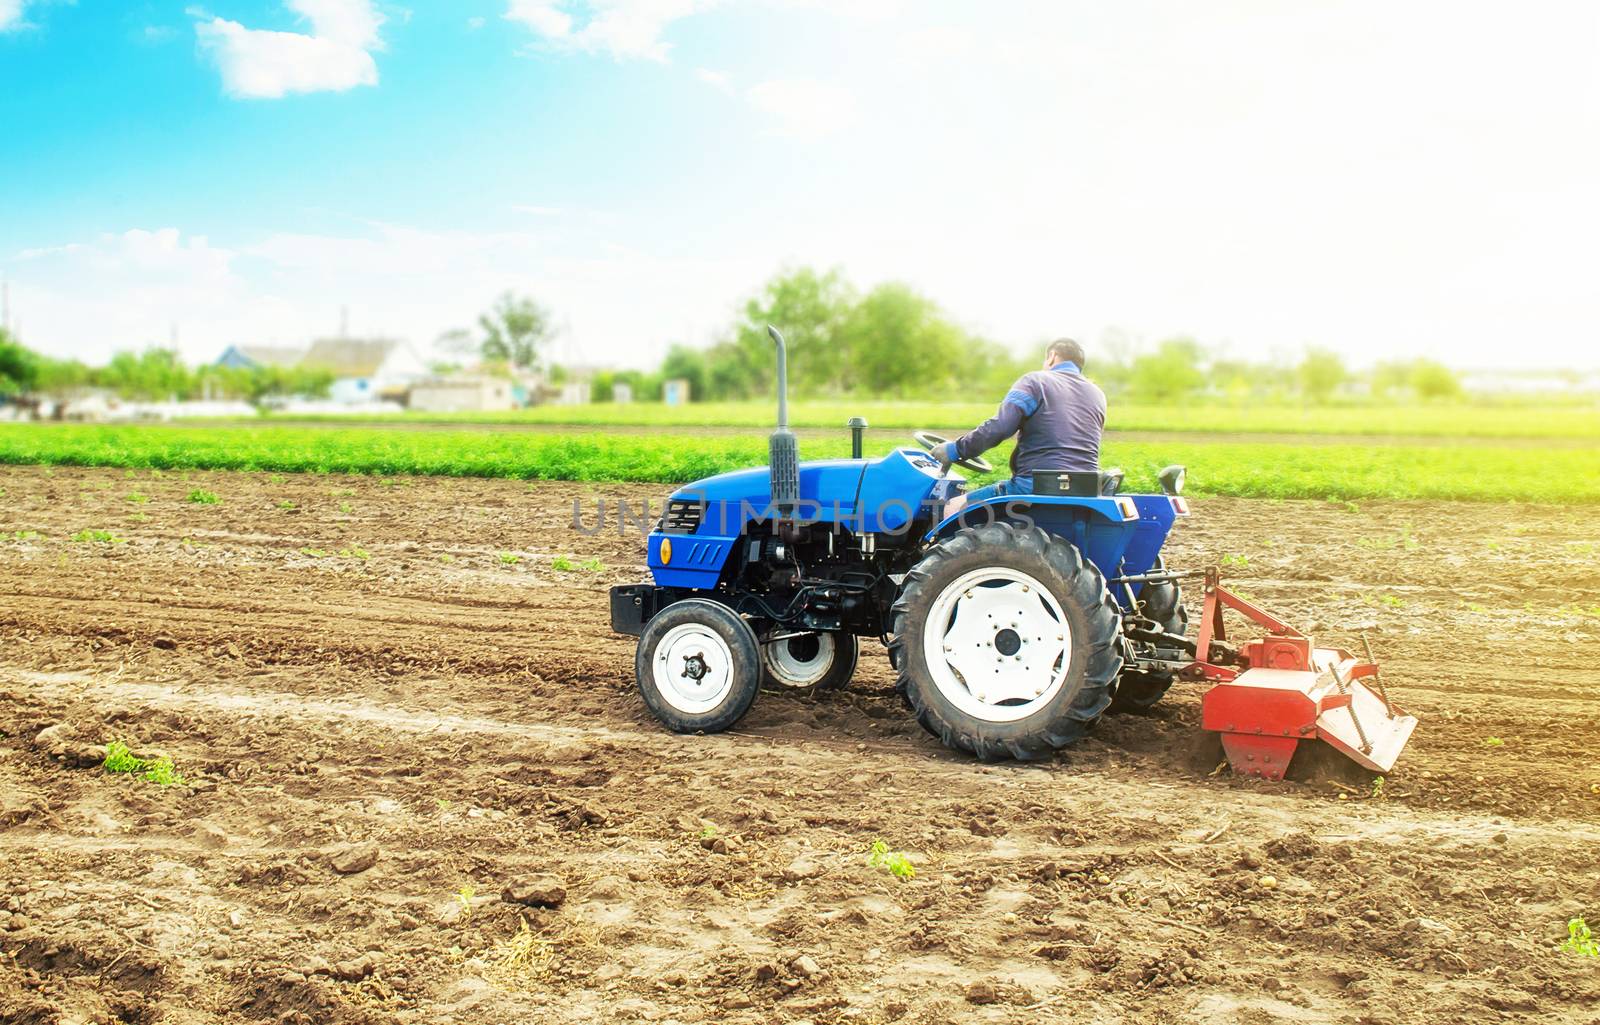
{"x":801,"y":868}
{"x":983,"y":991}
{"x":540,"y":891}
{"x":354,"y":859}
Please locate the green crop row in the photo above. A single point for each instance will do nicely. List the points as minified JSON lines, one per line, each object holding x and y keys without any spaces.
{"x":1271,"y":470}
{"x":1196,"y":416}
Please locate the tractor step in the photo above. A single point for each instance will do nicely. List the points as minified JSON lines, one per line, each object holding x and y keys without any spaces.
{"x":1281,"y":689}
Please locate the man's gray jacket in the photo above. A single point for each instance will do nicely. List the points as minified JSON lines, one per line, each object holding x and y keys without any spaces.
{"x":1060,"y":415}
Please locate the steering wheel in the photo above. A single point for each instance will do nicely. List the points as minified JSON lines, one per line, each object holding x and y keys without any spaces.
{"x":974,"y":464}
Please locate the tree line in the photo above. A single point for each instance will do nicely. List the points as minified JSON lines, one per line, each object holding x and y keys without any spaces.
{"x":894,"y":342}
{"x":152,"y":375}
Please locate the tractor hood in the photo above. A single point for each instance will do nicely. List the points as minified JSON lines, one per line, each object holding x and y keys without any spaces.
{"x":869,"y":495}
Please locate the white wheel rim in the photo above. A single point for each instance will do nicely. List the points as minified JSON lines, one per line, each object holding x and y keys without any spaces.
{"x":693,"y":668}
{"x":790,"y":669}
{"x":997,"y":644}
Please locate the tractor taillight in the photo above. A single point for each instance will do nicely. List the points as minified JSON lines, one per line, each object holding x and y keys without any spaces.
{"x":1130,"y":509}
{"x":1180,"y":505}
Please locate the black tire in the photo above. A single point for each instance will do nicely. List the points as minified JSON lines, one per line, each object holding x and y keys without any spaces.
{"x":1092,"y":617}
{"x":843,"y":653}
{"x":1139,"y":690}
{"x":676,"y":710}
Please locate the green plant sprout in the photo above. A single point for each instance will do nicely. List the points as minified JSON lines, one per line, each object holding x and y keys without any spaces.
{"x":160,"y":771}
{"x":509,"y":558}
{"x":561,"y":562}
{"x":893,"y":862}
{"x":200,"y":496}
{"x":104,"y":537}
{"x":1580,"y":940}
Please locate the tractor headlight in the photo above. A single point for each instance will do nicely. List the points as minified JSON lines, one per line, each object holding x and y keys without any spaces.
{"x":1171,"y":480}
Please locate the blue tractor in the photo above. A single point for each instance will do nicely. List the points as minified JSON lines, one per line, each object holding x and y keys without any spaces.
{"x":1012,"y":626}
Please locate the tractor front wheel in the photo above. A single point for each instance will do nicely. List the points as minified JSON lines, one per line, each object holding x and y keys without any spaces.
{"x":698,"y":666}
{"x":1007,"y":642}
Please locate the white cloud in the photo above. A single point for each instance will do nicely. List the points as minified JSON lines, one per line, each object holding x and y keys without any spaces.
{"x":715,"y":79}
{"x":265,"y":64}
{"x":128,"y":290}
{"x":543,"y":16}
{"x":11,"y":12}
{"x":622,"y":28}
{"x":804,"y":108}
{"x":476,"y":22}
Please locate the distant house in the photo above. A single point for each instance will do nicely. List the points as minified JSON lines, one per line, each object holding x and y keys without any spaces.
{"x":675,"y":392}
{"x":462,"y":393}
{"x":366,"y":369}
{"x":249,"y":357}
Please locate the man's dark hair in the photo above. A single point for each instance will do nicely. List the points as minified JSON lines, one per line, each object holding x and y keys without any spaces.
{"x":1067,"y":349}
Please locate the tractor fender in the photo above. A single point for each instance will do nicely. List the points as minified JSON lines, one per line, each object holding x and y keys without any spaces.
{"x":1021,"y":509}
{"x":1101,"y":526}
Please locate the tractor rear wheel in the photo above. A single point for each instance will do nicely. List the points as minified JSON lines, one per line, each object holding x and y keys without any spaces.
{"x":698,"y":666}
{"x":1141,"y":690}
{"x":824,"y":660}
{"x":1007,"y":642}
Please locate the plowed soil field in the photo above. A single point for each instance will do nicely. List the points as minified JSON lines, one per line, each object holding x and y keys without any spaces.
{"x":418,"y":785}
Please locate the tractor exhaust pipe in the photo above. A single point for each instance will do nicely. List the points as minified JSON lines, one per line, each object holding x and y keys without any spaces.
{"x":784,"y":450}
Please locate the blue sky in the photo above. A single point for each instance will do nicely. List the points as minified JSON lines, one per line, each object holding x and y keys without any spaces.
{"x":1409,"y":177}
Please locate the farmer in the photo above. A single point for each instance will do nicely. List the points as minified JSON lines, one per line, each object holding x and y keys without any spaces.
{"x":1057,"y":415}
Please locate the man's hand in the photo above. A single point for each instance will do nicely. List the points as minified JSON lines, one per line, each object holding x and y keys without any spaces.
{"x":946,"y":453}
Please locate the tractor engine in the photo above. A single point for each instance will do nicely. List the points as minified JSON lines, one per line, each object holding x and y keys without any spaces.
{"x":819,"y":576}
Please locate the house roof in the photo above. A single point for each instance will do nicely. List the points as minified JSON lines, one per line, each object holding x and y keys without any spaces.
{"x":348,"y":357}
{"x":260,"y":356}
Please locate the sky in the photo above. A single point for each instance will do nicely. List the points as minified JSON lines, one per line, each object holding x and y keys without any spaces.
{"x":1385,"y":178}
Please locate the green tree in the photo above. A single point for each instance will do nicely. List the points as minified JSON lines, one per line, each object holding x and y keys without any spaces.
{"x":1170,"y":373}
{"x":514,"y":329}
{"x":1321,"y":373}
{"x":811,"y":310}
{"x":1432,"y":380}
{"x":898,"y":342}
{"x":1388,"y":377}
{"x":59,"y":378}
{"x":153,"y":374}
{"x":263,"y":383}
{"x":19,"y":366}
{"x":689,"y":364}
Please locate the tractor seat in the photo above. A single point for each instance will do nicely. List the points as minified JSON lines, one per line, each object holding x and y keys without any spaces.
{"x":1078,"y":484}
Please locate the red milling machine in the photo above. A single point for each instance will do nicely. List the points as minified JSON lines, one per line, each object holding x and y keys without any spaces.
{"x":1274,"y":692}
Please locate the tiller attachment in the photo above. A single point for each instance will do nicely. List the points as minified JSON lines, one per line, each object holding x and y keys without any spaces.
{"x":1281,"y":689}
